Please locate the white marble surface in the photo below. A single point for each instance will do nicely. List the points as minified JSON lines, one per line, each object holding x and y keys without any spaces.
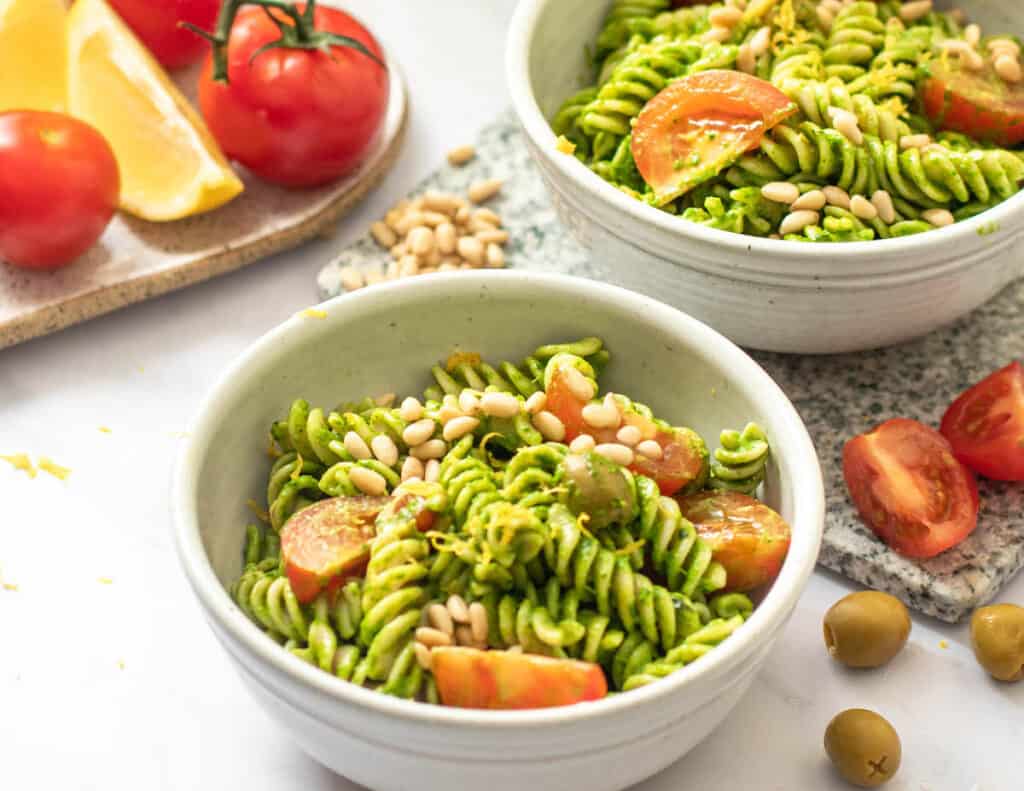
{"x":174,"y":717}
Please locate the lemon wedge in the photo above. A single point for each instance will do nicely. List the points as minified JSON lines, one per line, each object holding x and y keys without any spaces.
{"x":32,"y":55}
{"x":170,"y":165}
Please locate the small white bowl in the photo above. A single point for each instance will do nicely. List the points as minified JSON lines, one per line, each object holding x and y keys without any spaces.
{"x":762,"y":293}
{"x":384,"y":339}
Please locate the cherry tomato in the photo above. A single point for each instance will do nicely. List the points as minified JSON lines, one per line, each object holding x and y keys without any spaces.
{"x":473,"y":679}
{"x":910,"y":489}
{"x":981,"y":104}
{"x":985,"y":425}
{"x":59,"y":187}
{"x":328,"y":542}
{"x":293,"y":116}
{"x":684,"y":458}
{"x":699,"y":125}
{"x":157,"y":25}
{"x":745,"y":535}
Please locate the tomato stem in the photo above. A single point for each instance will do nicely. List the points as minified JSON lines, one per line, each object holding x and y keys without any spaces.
{"x":298,"y":31}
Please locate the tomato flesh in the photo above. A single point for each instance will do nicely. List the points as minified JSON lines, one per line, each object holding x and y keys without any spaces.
{"x":980,"y":105}
{"x":910,"y":489}
{"x":699,"y":125}
{"x":328,"y":542}
{"x":684,"y":457}
{"x":746,"y":536}
{"x":985,"y":425}
{"x":59,"y":187}
{"x":157,"y":24}
{"x":474,"y":679}
{"x":296,"y":117}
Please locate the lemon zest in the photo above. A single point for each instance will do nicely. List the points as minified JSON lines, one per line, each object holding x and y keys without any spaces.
{"x":262,"y":515}
{"x":105,"y":580}
{"x":272,"y":450}
{"x":564,"y":145}
{"x":10,"y":586}
{"x":456,"y":359}
{"x":314,"y":313}
{"x":105,"y":430}
{"x":57,"y":471}
{"x":21,"y":461}
{"x":297,"y":471}
{"x":630,"y":548}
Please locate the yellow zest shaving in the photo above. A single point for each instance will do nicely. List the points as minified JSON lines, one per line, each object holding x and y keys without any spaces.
{"x":629,"y":549}
{"x":54,"y":469}
{"x":254,"y":506}
{"x":297,"y":471}
{"x":105,"y":430}
{"x":564,"y":145}
{"x":120,"y":664}
{"x":581,"y":523}
{"x":314,"y":313}
{"x":943,"y":644}
{"x":105,"y":580}
{"x":458,"y":359}
{"x":483,"y":445}
{"x":272,"y":450}
{"x":21,"y":461}
{"x":10,"y":586}
{"x":425,"y":489}
{"x":758,"y":10}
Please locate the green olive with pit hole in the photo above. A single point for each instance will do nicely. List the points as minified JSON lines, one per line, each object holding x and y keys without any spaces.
{"x":997,"y":637}
{"x":864,"y":748}
{"x":866,"y":629}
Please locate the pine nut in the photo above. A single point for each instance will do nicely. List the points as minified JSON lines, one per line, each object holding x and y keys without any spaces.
{"x":462,"y":215}
{"x":443,"y":202}
{"x":450,"y":401}
{"x":500,"y":404}
{"x":432,"y":471}
{"x":487,"y":217}
{"x":394,"y":270}
{"x":826,"y":17}
{"x":745,"y":60}
{"x":972,"y":35}
{"x":726,"y":16}
{"x":351,"y":278}
{"x":581,"y":388}
{"x":412,"y":468}
{"x":420,"y":240}
{"x":419,"y":432}
{"x":439,"y":617}
{"x":846,"y":123}
{"x":392,"y":218}
{"x":384,"y":449}
{"x":940,"y":218}
{"x":863,"y":208}
{"x":409,"y":221}
{"x":999,"y":45}
{"x":398,"y":250}
{"x":1008,"y":68}
{"x":461,"y":155}
{"x":650,"y":449}
{"x":368,"y":481}
{"x":780,"y":192}
{"x":837,"y":196}
{"x":459,"y":427}
{"x":549,"y":426}
{"x":761,"y":41}
{"x":478,"y":622}
{"x":814,"y":200}
{"x":383,"y":235}
{"x":408,"y":265}
{"x":536,"y":402}
{"x":629,"y":436}
{"x":464,"y":635}
{"x":355,"y":445}
{"x":584,"y":443}
{"x":970,"y":59}
{"x":410,"y":410}
{"x":915,"y":141}
{"x":448,"y":412}
{"x":882,"y":201}
{"x":797,"y":221}
{"x":601,"y":416}
{"x":615,"y":452}
{"x":468,"y":402}
{"x":471,"y":249}
{"x":431,"y":637}
{"x":446,"y":237}
{"x":914,"y":10}
{"x":484,"y":190}
{"x":431,"y":449}
{"x":423,"y":656}
{"x":494,"y":236}
{"x":457,"y":609}
{"x":495,"y":257}
{"x":717,"y":35}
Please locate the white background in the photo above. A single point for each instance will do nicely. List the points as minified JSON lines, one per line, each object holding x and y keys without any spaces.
{"x":175,"y":717}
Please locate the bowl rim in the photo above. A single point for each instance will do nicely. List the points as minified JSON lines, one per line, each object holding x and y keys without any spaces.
{"x":971,"y":232}
{"x":768,"y":618}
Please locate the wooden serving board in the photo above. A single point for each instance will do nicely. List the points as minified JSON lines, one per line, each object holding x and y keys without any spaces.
{"x":135,"y":260}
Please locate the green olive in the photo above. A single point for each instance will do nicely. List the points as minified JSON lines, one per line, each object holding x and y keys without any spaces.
{"x":866,"y":629}
{"x":997,"y":636}
{"x":864,"y":747}
{"x":599,"y":488}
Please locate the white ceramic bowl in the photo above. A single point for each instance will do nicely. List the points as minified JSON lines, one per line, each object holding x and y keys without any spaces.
{"x":384,"y":339}
{"x":761,"y":293}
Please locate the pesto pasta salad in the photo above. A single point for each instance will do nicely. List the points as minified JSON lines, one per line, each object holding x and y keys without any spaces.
{"x":808,"y":120}
{"x":514,"y":539}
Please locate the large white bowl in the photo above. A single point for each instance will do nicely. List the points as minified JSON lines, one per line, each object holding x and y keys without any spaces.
{"x":384,"y":339}
{"x":762,"y":293}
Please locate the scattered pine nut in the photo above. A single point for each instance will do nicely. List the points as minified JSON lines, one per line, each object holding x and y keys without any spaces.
{"x":761,"y":41}
{"x":915,"y":10}
{"x":412,"y":468}
{"x":383,"y":235}
{"x":351,"y":278}
{"x":582,"y":444}
{"x":457,"y":609}
{"x":478,"y":622}
{"x":650,"y":449}
{"x":797,"y":221}
{"x":581,"y":387}
{"x":915,"y":141}
{"x":495,"y":257}
{"x":368,"y":481}
{"x":601,"y":416}
{"x":419,"y":432}
{"x":615,"y":452}
{"x":499,"y":404}
{"x":459,"y":427}
{"x":431,"y":637}
{"x":1008,"y":68}
{"x":972,"y":35}
{"x":745,"y":60}
{"x":493,"y":236}
{"x":780,"y":192}
{"x":837,"y":196}
{"x":549,"y":426}
{"x":717,"y":34}
{"x":384,"y":449}
{"x":411,"y":410}
{"x":814,"y":200}
{"x":826,"y":17}
{"x":940,"y":218}
{"x":432,"y":470}
{"x":355,"y":445}
{"x":862,"y":208}
{"x":446,"y":238}
{"x":629,"y":436}
{"x":726,"y":16}
{"x":472,"y":250}
{"x":458,"y":157}
{"x":484,"y":190}
{"x":439,"y":617}
{"x":431,"y":449}
{"x":536,"y":402}
{"x":882,"y":201}
{"x":423,"y":656}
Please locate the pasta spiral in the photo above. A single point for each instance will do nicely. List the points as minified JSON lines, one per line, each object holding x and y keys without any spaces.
{"x":739,"y":464}
{"x":692,"y":648}
{"x":855,"y":39}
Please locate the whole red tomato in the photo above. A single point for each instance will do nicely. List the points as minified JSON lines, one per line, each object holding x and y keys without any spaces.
{"x":59,"y":187}
{"x":157,"y":24}
{"x":305,"y":110}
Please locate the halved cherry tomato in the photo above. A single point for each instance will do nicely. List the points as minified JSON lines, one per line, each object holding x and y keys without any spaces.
{"x":684,"y":457}
{"x":328,"y":542}
{"x":473,"y":679}
{"x":910,"y":489}
{"x":701,"y":124}
{"x":985,"y":425}
{"x":745,"y":535}
{"x":979,"y":104}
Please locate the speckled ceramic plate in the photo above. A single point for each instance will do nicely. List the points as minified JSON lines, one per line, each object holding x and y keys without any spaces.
{"x":136,"y":260}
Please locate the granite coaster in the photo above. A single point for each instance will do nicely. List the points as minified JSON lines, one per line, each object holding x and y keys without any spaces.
{"x":837,"y":396}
